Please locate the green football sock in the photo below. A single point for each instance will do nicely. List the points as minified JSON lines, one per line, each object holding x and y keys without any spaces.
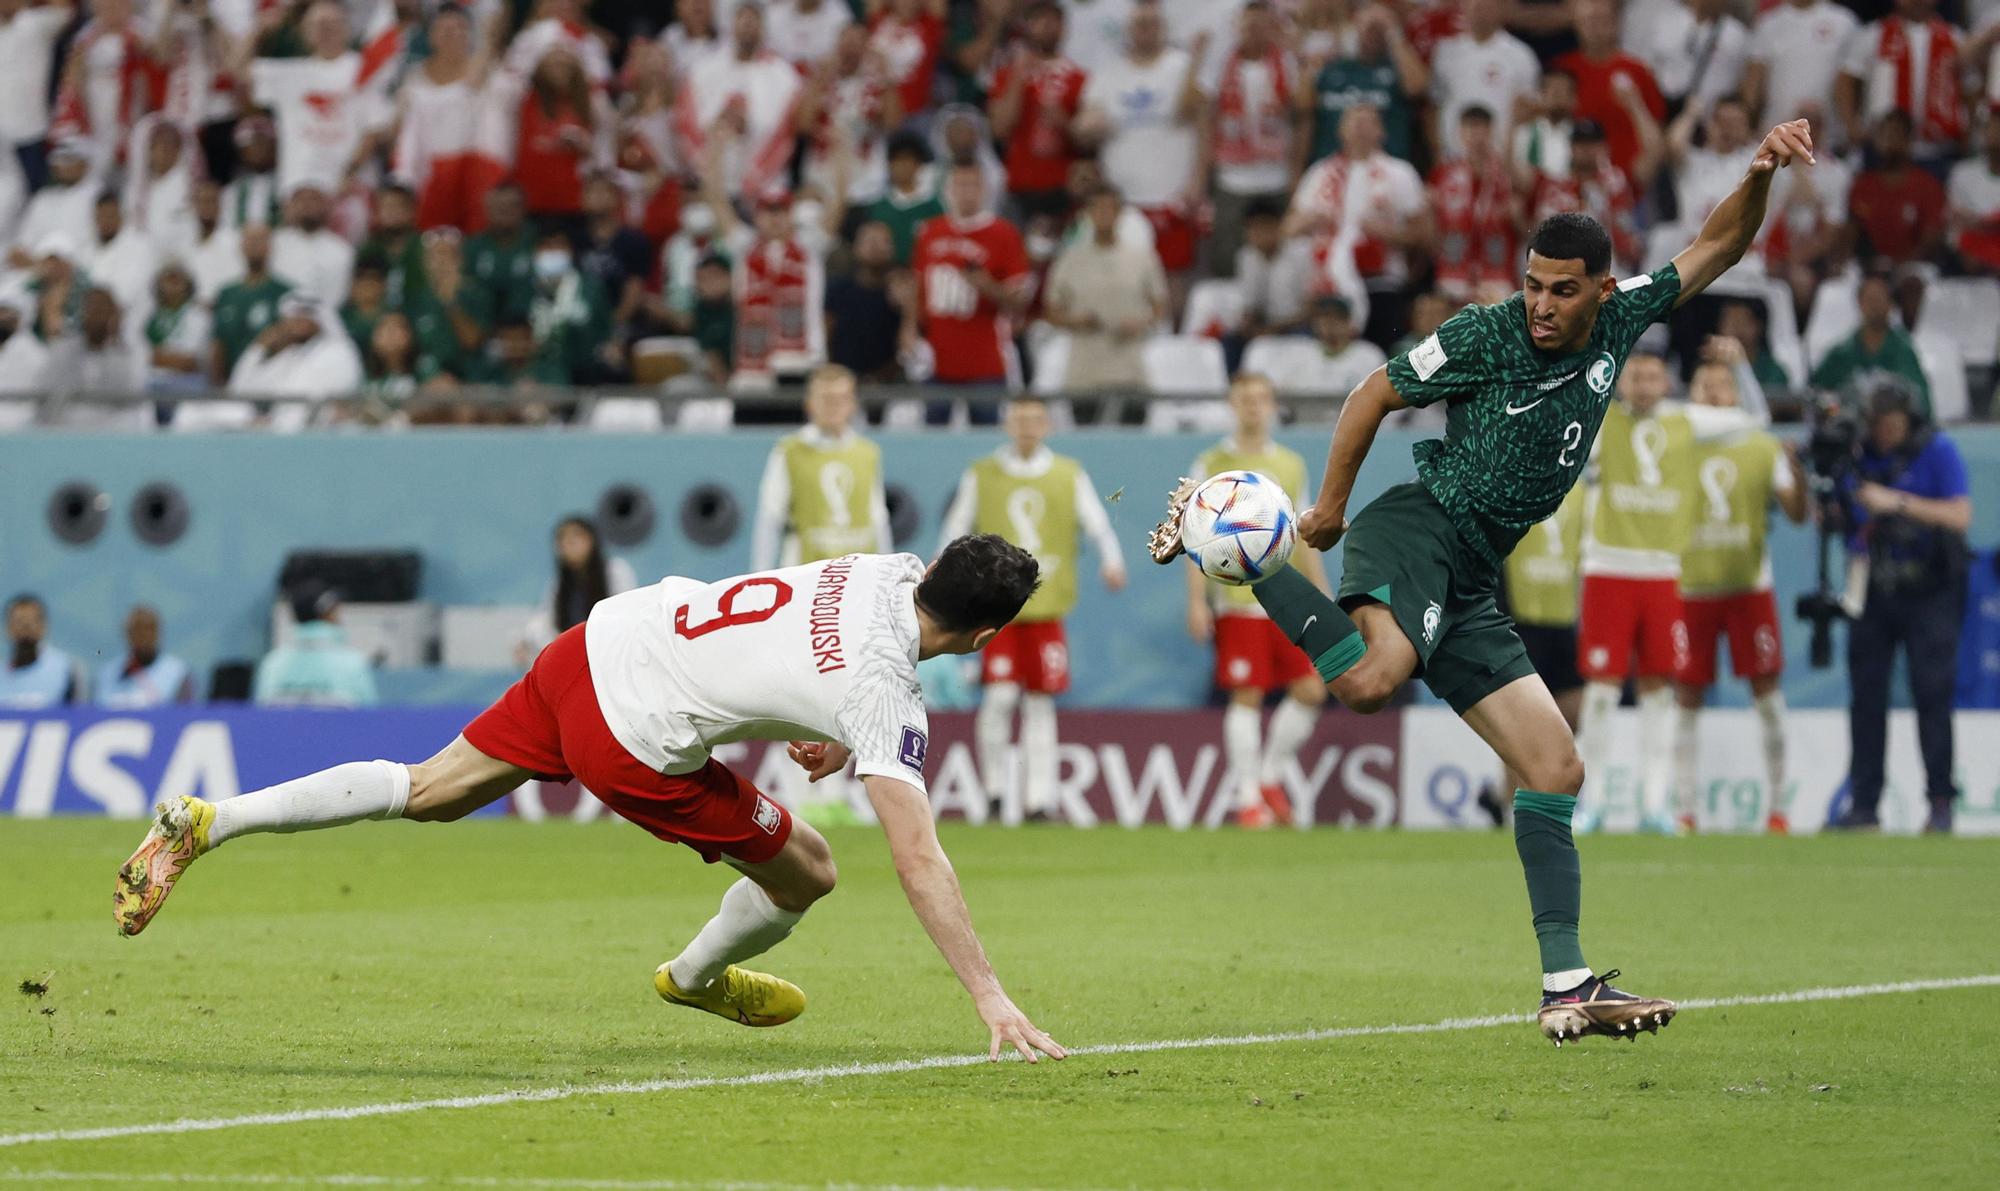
{"x":1312,"y":621}
{"x":1555,"y":877}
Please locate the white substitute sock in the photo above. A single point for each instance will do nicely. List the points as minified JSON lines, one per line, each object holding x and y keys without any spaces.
{"x":344,"y":794}
{"x":1771,"y":718}
{"x":1565,"y":980}
{"x":1291,"y":726}
{"x":1038,"y":753}
{"x":1593,"y":742}
{"x":748,"y":923}
{"x":1242,"y":725}
{"x":1686,"y":789}
{"x":993,"y":733}
{"x":1656,"y":750}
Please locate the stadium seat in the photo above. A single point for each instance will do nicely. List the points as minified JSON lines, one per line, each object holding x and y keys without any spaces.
{"x":201,"y":417}
{"x":1283,"y":358}
{"x":1964,"y":311}
{"x":1944,"y":368}
{"x":16,"y":415}
{"x":625,"y":415}
{"x":481,"y":636}
{"x":1214,"y":308}
{"x":705,"y":415}
{"x":1212,"y":416}
{"x":1185,"y":365}
{"x":1051,"y":363}
{"x":1836,"y":311}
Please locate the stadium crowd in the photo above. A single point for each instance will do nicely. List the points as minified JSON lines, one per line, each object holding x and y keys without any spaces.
{"x":405,"y":198}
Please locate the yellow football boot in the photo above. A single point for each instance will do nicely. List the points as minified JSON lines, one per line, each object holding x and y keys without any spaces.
{"x":179,"y":834}
{"x":745,"y":997}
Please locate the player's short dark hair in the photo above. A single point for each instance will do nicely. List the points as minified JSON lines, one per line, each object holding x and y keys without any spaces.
{"x":1574,"y":236}
{"x":980,"y":581}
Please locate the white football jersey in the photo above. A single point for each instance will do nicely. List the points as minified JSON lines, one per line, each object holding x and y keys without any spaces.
{"x":826,"y":651}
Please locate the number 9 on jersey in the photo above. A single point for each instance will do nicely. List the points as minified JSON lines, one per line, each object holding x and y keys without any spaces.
{"x":1239,"y":527}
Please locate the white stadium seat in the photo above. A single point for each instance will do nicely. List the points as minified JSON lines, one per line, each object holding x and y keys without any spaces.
{"x":1944,"y":368}
{"x":1214,"y":307}
{"x":1965,"y":311}
{"x":1283,"y":358}
{"x":1051,"y":363}
{"x":1835,"y":313}
{"x":1185,"y":365}
{"x":626,"y":415}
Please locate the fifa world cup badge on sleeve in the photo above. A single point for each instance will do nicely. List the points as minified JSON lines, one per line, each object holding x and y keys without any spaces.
{"x":1427,"y":357}
{"x":915,"y":746}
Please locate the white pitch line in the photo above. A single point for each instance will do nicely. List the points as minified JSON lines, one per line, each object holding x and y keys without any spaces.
{"x":933,"y":1063}
{"x":485,"y":1181}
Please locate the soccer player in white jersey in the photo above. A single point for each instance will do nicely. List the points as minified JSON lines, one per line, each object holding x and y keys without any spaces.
{"x":631,"y":703}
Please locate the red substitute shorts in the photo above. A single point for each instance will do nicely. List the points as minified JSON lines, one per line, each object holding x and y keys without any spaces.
{"x":1173,"y":237}
{"x":1623,"y":617}
{"x":1750,"y":618}
{"x":1253,"y":653}
{"x":549,"y":722}
{"x":1034,"y":656}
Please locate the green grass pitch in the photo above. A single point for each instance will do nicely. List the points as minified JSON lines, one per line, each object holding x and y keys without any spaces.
{"x":396,"y":962}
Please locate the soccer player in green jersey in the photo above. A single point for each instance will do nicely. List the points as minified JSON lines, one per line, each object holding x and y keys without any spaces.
{"x":1527,"y":381}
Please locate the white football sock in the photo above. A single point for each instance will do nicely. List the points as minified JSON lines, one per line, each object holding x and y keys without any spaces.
{"x":1565,"y":980}
{"x":1038,"y":753}
{"x":1686,"y":792}
{"x":1593,"y":742}
{"x":344,"y":794}
{"x":1291,"y":726}
{"x":748,"y":923}
{"x":1771,"y":718}
{"x":1242,"y":725}
{"x":1656,"y":749}
{"x":993,"y":733}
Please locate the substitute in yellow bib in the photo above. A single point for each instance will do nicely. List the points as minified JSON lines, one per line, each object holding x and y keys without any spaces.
{"x":1726,"y":586}
{"x":821,"y":496}
{"x":1253,"y":657}
{"x":1044,"y":503}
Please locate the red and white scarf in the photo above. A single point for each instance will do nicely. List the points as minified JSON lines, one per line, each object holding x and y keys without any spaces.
{"x":1943,"y":117}
{"x":141,"y":82}
{"x":773,"y":303}
{"x":1246,"y":137}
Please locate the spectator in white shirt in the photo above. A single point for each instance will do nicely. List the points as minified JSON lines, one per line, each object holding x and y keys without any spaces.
{"x":1366,"y":212}
{"x":1908,"y":61}
{"x":309,"y":255}
{"x":94,"y":357}
{"x":751,"y":90}
{"x":1342,"y":362}
{"x":804,"y":32}
{"x":299,"y":355}
{"x":1706,"y":174}
{"x":1696,"y":49}
{"x":216,"y":256}
{"x":693,"y":35}
{"x":1972,"y":198}
{"x":62,"y":207}
{"x":329,"y":105}
{"x":1143,"y":111}
{"x":1109,"y":297}
{"x":119,"y":258}
{"x":252,"y":195}
{"x":1795,"y":53}
{"x":1273,"y":273}
{"x":28,"y":35}
{"x":24,"y":359}
{"x":159,"y":184}
{"x":176,"y":334}
{"x":1485,"y":65}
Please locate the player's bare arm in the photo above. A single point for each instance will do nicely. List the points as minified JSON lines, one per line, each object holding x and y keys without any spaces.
{"x":1729,"y":229}
{"x":932,"y":887}
{"x":1360,"y":417}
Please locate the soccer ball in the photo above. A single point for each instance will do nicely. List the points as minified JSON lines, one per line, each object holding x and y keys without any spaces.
{"x":1239,"y":527}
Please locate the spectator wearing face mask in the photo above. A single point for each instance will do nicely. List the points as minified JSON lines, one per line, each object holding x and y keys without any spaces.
{"x":568,"y":313}
{"x":37,"y":675}
{"x":145,"y":676}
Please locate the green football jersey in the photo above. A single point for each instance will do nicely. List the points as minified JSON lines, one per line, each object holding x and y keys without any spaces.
{"x":1521,"y":420}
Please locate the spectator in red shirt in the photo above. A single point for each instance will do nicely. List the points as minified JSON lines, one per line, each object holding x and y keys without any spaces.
{"x":1595,"y":187}
{"x":1035,"y":97}
{"x":1896,"y":211}
{"x":1473,"y":197}
{"x":972,"y":279}
{"x":1597,"y":65}
{"x":558,"y":139}
{"x":907,"y":33}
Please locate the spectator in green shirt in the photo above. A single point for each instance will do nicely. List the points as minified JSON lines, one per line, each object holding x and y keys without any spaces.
{"x":450,"y":313}
{"x":715,"y":317}
{"x":908,"y":202}
{"x":1384,"y":72}
{"x":392,"y":236}
{"x":501,"y":258}
{"x":1877,"y":348}
{"x":569,"y":314}
{"x":509,"y":359}
{"x":245,"y":308}
{"x":367,"y":298}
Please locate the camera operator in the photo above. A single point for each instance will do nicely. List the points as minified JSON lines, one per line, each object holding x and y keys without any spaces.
{"x":1909,"y":508}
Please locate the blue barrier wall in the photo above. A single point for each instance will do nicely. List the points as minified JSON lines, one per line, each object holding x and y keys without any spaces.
{"x":479,"y":505}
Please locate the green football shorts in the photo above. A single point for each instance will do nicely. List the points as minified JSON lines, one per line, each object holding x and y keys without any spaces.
{"x":1403,"y":551}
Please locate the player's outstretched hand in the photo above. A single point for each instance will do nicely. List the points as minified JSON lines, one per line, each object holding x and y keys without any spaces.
{"x":1011,"y":1027}
{"x":819,"y":758}
{"x":1788,"y":142}
{"x":1321,"y":530}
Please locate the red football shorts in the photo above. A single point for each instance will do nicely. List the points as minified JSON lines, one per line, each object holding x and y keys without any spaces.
{"x":1750,"y":618}
{"x":549,"y":722}
{"x":1034,"y":656}
{"x":1253,"y":653}
{"x":1173,"y":236}
{"x":1623,"y":618}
